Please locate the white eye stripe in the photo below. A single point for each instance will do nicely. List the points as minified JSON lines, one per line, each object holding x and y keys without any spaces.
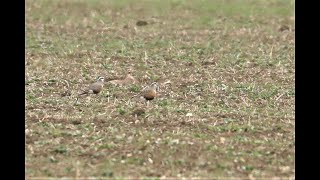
{"x":100,"y":78}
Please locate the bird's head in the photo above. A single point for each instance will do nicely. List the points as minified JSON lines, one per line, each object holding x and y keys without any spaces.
{"x":100,"y":79}
{"x":155,"y":86}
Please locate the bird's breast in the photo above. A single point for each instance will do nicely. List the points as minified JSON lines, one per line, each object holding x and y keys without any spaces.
{"x":149,"y":95}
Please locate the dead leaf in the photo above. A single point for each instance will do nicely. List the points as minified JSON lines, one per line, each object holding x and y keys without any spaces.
{"x":222,"y":140}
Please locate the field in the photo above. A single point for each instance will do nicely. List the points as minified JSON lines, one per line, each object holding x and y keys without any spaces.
{"x":226,"y":105}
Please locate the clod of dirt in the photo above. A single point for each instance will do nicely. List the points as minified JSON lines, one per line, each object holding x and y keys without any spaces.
{"x":66,"y":93}
{"x":76,"y":122}
{"x":207,"y":63}
{"x":109,"y":79}
{"x":284,"y":28}
{"x":138,"y":112}
{"x":141,"y":23}
{"x":189,"y":64}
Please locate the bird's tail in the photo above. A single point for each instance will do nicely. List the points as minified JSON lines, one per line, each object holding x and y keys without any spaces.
{"x":84,"y":91}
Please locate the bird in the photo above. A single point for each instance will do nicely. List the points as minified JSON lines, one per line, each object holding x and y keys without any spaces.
{"x":94,"y":88}
{"x":150,"y":92}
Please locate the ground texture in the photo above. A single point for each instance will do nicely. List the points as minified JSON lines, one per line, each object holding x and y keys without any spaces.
{"x":227,"y":109}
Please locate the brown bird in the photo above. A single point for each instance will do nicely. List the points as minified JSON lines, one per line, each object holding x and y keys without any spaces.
{"x":95,"y":87}
{"x":150,"y":92}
